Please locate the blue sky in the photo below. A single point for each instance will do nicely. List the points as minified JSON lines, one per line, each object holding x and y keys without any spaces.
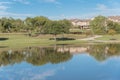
{"x":59,"y":9}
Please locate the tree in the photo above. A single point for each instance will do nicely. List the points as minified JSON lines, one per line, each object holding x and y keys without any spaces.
{"x":99,"y":25}
{"x":113,"y":26}
{"x":56,"y":27}
{"x":35,"y":24}
{"x":6,"y":24}
{"x":40,"y":21}
{"x":29,"y":23}
{"x":66,"y":25}
{"x":11,"y":25}
{"x":17,"y":25}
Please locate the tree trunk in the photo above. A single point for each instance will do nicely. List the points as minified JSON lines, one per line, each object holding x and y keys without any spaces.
{"x":62,"y":35}
{"x":55,"y":37}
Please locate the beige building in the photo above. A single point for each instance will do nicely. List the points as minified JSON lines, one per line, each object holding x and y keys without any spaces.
{"x":114,"y":18}
{"x":82,"y":24}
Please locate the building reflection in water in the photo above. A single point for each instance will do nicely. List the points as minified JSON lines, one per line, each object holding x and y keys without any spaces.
{"x":54,"y":55}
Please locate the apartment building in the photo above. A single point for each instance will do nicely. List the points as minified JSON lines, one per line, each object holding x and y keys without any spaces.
{"x":114,"y":18}
{"x":81,"y":23}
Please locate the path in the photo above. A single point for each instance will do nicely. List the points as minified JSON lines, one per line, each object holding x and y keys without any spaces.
{"x":92,"y":38}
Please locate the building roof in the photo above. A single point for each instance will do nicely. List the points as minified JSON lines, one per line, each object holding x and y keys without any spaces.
{"x":114,"y":18}
{"x":80,"y":20}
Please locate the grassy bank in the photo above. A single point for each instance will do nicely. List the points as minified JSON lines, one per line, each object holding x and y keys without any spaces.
{"x":108,"y":39}
{"x":21,"y":40}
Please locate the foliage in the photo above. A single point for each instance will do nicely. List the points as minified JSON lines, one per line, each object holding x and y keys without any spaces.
{"x":113,"y":26}
{"x":111,"y":32}
{"x":56,"y":27}
{"x":38,"y":24}
{"x":98,"y":25}
{"x":101,"y":25}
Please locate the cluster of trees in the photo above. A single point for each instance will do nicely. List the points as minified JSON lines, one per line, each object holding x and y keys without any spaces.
{"x":101,"y":25}
{"x":39,"y":24}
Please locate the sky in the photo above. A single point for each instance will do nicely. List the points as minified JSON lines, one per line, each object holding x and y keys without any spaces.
{"x":59,"y":9}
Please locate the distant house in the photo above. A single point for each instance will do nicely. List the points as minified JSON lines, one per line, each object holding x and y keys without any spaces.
{"x":82,"y":24}
{"x":114,"y":18}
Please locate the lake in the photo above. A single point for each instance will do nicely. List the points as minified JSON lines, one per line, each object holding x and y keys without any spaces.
{"x":61,"y":62}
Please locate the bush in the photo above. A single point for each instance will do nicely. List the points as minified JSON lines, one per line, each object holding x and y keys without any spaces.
{"x":112,"y":39}
{"x":62,"y":39}
{"x":111,"y":32}
{"x":88,"y":33}
{"x":2,"y":39}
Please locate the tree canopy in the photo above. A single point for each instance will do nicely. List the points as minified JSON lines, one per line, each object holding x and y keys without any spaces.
{"x":38,"y":24}
{"x":98,"y":25}
{"x":102,"y":25}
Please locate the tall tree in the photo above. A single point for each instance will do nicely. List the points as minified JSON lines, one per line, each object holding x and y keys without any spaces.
{"x":113,"y":26}
{"x":56,"y":27}
{"x":6,"y":24}
{"x":99,"y":25}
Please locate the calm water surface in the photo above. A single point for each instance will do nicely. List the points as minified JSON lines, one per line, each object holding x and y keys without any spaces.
{"x":88,"y":62}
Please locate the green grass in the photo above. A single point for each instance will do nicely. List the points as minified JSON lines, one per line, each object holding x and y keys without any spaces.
{"x":76,"y":30}
{"x":108,"y":37}
{"x":20,"y":40}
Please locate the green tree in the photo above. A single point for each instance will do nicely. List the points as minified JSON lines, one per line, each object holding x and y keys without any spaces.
{"x":6,"y":24}
{"x":35,"y":24}
{"x":99,"y":25}
{"x":65,"y":26}
{"x":29,"y":24}
{"x":17,"y":25}
{"x":113,"y":26}
{"x":56,"y":27}
{"x":40,"y":21}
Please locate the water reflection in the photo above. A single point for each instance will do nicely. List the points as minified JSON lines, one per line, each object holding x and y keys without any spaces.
{"x":104,"y":51}
{"x":92,"y":62}
{"x":34,"y":55}
{"x":43,"y":55}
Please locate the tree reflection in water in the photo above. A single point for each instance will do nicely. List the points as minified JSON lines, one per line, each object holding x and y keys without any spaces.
{"x":102,"y":52}
{"x":43,"y":55}
{"x":34,"y":55}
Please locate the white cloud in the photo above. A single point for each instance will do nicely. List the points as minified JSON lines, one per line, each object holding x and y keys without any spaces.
{"x":50,"y":1}
{"x":14,"y":15}
{"x":3,"y":7}
{"x":2,"y":3}
{"x":22,"y":1}
{"x":105,"y":10}
{"x":43,"y":75}
{"x":101,"y":7}
{"x":28,"y":2}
